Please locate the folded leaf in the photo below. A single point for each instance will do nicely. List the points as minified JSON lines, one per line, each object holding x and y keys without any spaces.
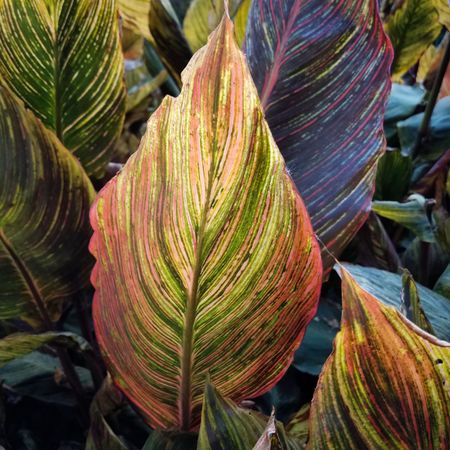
{"x":414,"y":214}
{"x":322,"y":71}
{"x":412,"y":28}
{"x":226,"y":426}
{"x":20,"y":344}
{"x":168,"y":37}
{"x":44,"y":226}
{"x":63,"y":59}
{"x":136,"y":15}
{"x":106,"y":401}
{"x":204,"y":15}
{"x":410,"y":303}
{"x":206,"y":259}
{"x":386,"y":383}
{"x":387,"y":288}
{"x":442,"y":285}
{"x":443,"y":9}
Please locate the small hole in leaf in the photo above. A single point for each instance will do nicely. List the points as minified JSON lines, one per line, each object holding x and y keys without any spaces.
{"x":439,"y":361}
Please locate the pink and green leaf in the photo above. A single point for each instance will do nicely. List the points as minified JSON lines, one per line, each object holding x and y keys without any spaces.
{"x":385,"y":384}
{"x":206,"y":258}
{"x":322,"y":72}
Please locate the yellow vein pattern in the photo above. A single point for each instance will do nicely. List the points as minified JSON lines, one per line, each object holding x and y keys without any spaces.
{"x":322,"y":72}
{"x":386,"y":384}
{"x":204,"y":15}
{"x":63,"y":59}
{"x":206,"y":259}
{"x":44,"y":216}
{"x":412,"y":28}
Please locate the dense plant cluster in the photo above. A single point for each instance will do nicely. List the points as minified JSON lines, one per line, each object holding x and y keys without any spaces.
{"x":224,"y":225}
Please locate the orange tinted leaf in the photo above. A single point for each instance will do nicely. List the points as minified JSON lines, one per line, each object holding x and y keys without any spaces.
{"x":386,"y":384}
{"x":206,"y":259}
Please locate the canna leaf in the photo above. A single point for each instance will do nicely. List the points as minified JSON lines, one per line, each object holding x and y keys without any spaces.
{"x":322,"y":71}
{"x":412,"y":28}
{"x":410,"y":303}
{"x":204,"y":15}
{"x":385,"y":384}
{"x":442,"y":285}
{"x":168,"y":37}
{"x":225,"y":280}
{"x":226,"y":426}
{"x":136,"y":15}
{"x":63,"y":59}
{"x":44,"y":229}
{"x":414,"y":214}
{"x":20,"y":344}
{"x":387,"y":287}
{"x":443,"y":9}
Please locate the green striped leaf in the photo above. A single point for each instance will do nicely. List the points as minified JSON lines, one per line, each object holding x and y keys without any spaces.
{"x":20,"y":344}
{"x":44,"y":228}
{"x":63,"y":59}
{"x":412,"y":28}
{"x":168,"y":37}
{"x":226,"y":426}
{"x":206,"y":259}
{"x":204,"y":15}
{"x":414,"y":214}
{"x":385,"y":384}
{"x":387,"y":287}
{"x":322,"y":72}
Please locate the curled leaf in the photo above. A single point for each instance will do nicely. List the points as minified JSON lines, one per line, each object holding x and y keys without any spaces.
{"x":206,"y":259}
{"x":385,"y":384}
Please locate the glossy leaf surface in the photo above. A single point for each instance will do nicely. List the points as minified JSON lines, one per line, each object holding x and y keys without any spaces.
{"x":385,"y":383}
{"x":63,"y":59}
{"x":322,"y":72}
{"x":412,"y":28}
{"x":206,"y":259}
{"x":44,"y":226}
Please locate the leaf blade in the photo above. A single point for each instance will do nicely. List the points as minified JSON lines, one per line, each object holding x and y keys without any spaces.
{"x":301,"y":54}
{"x":202,"y":243}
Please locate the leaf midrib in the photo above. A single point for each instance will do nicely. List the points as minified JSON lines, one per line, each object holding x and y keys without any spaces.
{"x":27,"y":278}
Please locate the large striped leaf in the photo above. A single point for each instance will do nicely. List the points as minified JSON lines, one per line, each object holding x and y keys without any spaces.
{"x":412,"y":28}
{"x":206,"y":259}
{"x":204,"y":15}
{"x":385,"y":384}
{"x":44,"y":226}
{"x":63,"y":59}
{"x":322,"y":71}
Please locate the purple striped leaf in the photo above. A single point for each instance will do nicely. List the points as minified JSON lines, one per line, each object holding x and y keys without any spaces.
{"x":322,"y":71}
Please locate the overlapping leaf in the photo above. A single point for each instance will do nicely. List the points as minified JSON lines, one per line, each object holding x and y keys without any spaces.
{"x":412,"y":28}
{"x":386,"y":383}
{"x":44,"y":227}
{"x":204,"y":15}
{"x":322,"y":71}
{"x":63,"y":59}
{"x":206,"y":260}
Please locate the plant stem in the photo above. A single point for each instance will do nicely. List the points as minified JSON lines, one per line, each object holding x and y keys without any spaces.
{"x":423,"y":130}
{"x":66,"y":363}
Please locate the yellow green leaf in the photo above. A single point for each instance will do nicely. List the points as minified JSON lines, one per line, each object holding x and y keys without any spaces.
{"x":63,"y":59}
{"x":386,"y":383}
{"x":204,"y":15}
{"x":412,"y":29}
{"x":44,"y":224}
{"x":206,"y":257}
